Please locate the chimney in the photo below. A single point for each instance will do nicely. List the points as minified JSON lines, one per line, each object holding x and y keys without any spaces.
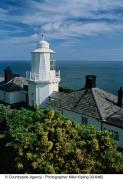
{"x":90,"y":81}
{"x":8,"y":74}
{"x":120,"y":96}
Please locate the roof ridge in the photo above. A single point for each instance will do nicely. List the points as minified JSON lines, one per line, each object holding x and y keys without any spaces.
{"x":106,"y":102}
{"x":96,"y":104}
{"x":9,"y":81}
{"x":105,"y":91}
{"x":114,"y":113}
{"x":85,"y":92}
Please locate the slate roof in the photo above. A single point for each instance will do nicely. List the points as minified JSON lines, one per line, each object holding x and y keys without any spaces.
{"x":95,"y":103}
{"x":116,"y":118}
{"x":81,"y":102}
{"x":106,"y":102}
{"x":15,"y":84}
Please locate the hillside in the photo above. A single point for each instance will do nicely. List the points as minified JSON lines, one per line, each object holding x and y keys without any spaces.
{"x":45,"y":142}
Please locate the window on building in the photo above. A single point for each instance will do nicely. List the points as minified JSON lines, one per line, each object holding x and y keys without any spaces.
{"x":84,"y":120}
{"x":52,"y":62}
{"x":115,"y":134}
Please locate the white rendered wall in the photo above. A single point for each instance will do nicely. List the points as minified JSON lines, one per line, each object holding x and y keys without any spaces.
{"x":4,"y":96}
{"x":41,"y":64}
{"x":116,"y":129}
{"x":12,"y":97}
{"x":72,"y":115}
{"x":78,"y":118}
{"x":95,"y":123}
{"x":39,"y":92}
{"x":53,"y":87}
{"x":42,"y":93}
{"x":17,"y":96}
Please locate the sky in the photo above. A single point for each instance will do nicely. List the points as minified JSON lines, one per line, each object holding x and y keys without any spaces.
{"x":76,"y":29}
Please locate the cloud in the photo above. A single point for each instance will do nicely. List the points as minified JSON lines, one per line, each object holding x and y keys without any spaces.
{"x":62,"y":11}
{"x":3,"y":14}
{"x":66,"y":19}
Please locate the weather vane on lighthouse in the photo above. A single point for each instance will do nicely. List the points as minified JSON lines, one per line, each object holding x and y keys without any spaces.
{"x":42,"y":37}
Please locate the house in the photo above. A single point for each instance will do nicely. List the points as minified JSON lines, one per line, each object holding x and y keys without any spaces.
{"x":89,"y":106}
{"x":13,"y":89}
{"x":92,"y":106}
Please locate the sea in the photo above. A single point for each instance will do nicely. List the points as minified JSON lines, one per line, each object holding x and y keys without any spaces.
{"x":109,"y":73}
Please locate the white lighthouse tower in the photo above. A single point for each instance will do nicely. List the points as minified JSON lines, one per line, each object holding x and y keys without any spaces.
{"x":43,"y":78}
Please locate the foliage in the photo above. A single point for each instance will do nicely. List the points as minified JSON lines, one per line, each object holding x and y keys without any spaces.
{"x":66,"y":90}
{"x":45,"y":142}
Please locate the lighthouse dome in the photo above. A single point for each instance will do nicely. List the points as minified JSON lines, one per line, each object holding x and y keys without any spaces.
{"x":43,"y":44}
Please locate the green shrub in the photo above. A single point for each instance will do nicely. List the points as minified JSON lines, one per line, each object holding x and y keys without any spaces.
{"x":45,"y":142}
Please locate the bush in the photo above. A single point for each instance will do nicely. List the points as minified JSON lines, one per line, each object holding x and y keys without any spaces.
{"x":65,"y":90}
{"x":46,"y":142}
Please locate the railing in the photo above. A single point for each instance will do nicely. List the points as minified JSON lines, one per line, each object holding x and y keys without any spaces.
{"x":49,"y":77}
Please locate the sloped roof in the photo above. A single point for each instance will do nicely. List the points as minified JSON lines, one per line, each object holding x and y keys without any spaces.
{"x":1,"y":79}
{"x":42,"y":50}
{"x":15,"y":84}
{"x":106,"y":102}
{"x":81,"y":102}
{"x":116,"y":118}
{"x":95,"y":103}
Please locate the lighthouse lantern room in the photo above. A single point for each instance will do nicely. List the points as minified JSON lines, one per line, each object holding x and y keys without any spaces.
{"x":43,"y":78}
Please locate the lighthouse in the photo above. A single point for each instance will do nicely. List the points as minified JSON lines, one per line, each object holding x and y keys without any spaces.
{"x":43,"y":78}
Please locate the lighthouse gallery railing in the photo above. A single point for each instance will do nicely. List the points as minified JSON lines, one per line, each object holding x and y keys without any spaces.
{"x":51,"y":76}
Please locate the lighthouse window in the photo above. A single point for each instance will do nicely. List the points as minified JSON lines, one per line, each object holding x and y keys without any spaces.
{"x":52,"y":62}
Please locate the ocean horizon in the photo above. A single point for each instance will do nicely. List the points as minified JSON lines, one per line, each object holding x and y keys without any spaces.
{"x":109,"y":73}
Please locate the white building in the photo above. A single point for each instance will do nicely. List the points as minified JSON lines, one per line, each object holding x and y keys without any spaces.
{"x":43,"y":78}
{"x":13,"y":89}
